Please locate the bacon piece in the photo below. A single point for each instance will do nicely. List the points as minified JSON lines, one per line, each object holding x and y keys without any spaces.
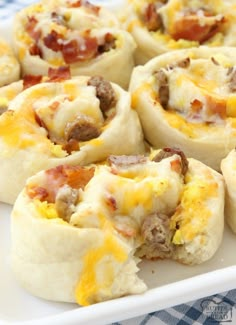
{"x":80,"y":3}
{"x":30,"y":28}
{"x":60,"y":74}
{"x":111,"y":202}
{"x":73,"y":52}
{"x":196,"y":106}
{"x":176,"y":166}
{"x":189,"y":27}
{"x":216,"y":106}
{"x":30,"y":80}
{"x":35,"y":50}
{"x":51,"y":41}
{"x":70,"y":146}
{"x":37,"y":192}
{"x":75,"y":176}
{"x":152,"y":19}
{"x":109,"y":43}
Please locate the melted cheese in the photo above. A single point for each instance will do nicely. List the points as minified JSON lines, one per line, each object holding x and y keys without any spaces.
{"x":231,"y":106}
{"x":178,"y":122}
{"x":19,"y":129}
{"x":193,"y":213}
{"x":88,"y":285}
{"x":144,"y":88}
{"x":45,"y":209}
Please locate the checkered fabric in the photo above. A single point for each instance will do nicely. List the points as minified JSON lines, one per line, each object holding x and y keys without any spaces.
{"x":217,"y":309}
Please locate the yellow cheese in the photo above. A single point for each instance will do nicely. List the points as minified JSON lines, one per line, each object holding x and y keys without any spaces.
{"x":143,"y":89}
{"x":45,"y":209}
{"x":95,"y":142}
{"x":88,"y":285}
{"x":35,"y":8}
{"x":21,"y":53}
{"x":141,"y":194}
{"x":56,"y":61}
{"x":192,"y":215}
{"x":19,"y":129}
{"x":178,"y":122}
{"x":231,"y":106}
{"x":4,"y":102}
{"x":57,"y":151}
{"x":71,"y":89}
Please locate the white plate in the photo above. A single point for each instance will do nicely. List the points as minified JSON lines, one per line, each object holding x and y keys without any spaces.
{"x":169,"y":284}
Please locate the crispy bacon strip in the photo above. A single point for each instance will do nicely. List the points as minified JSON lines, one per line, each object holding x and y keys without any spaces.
{"x":35,"y":50}
{"x":152,"y":19}
{"x":72,"y":51}
{"x":74,"y":176}
{"x":60,"y":74}
{"x":51,"y":41}
{"x":30,"y":80}
{"x":189,"y":27}
{"x":30,"y":28}
{"x":216,"y":106}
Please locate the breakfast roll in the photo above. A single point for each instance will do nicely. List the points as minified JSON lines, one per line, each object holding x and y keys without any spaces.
{"x":73,"y":121}
{"x":186,"y":98}
{"x":73,"y":33}
{"x":160,"y":26}
{"x":106,"y":217}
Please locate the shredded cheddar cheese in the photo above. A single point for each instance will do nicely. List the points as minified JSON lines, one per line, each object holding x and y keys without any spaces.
{"x":45,"y":209}
{"x":88,"y":285}
{"x":193,"y":213}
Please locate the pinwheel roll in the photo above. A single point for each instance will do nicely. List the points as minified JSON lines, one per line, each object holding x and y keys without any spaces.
{"x":73,"y":33}
{"x":104,"y":216}
{"x":9,"y":66}
{"x":228,"y":168}
{"x":160,"y":26}
{"x":186,"y":98}
{"x":82,"y":120}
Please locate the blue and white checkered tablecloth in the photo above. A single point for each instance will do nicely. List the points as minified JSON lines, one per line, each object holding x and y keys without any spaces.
{"x":201,"y":312}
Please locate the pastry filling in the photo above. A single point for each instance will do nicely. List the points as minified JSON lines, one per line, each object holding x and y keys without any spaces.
{"x":53,"y":37}
{"x":205,"y":90}
{"x":181,"y":20}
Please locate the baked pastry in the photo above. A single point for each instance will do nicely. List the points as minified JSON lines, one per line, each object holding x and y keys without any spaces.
{"x":186,"y":98}
{"x":9,"y":66}
{"x":162,"y":206}
{"x":160,"y":26}
{"x":74,"y":121}
{"x":11,"y":90}
{"x":73,"y":33}
{"x":229,"y":173}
